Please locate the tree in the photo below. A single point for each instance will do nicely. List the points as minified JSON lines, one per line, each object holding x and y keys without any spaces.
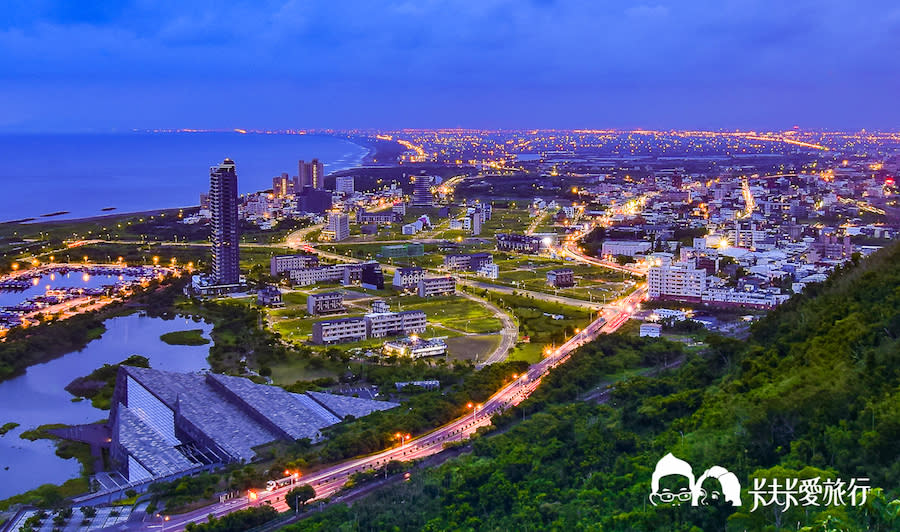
{"x":300,"y":495}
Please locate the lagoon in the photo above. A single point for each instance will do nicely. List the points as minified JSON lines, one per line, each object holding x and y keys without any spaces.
{"x":38,"y":397}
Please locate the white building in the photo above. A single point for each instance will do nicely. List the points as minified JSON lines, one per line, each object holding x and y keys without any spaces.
{"x":286,"y":263}
{"x":678,"y":280}
{"x":652,"y":330}
{"x":338,"y":227}
{"x":408,"y":278}
{"x":344,"y":184}
{"x":437,"y":286}
{"x":381,"y":324}
{"x":491,"y":271}
{"x":339,"y":330}
{"x":629,"y":248}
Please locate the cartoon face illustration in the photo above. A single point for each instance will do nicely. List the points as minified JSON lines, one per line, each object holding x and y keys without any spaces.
{"x":716,"y":486}
{"x":672,"y":481}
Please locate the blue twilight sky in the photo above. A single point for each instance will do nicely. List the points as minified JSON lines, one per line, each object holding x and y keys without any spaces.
{"x":120,"y":64}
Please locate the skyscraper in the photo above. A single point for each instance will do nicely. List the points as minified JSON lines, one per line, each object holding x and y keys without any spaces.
{"x":311,"y":174}
{"x":223,"y":206}
{"x":422,"y":192}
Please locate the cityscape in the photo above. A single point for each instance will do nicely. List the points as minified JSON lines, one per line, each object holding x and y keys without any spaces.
{"x":267,"y":325}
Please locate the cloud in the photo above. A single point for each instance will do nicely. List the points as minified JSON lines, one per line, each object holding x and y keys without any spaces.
{"x":429,"y":47}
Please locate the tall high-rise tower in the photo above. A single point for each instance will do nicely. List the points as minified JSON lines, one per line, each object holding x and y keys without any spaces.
{"x":310,"y":174}
{"x":421,"y":196}
{"x":223,"y":206}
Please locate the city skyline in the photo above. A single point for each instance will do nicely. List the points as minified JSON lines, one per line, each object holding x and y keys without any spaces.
{"x":501,"y":64}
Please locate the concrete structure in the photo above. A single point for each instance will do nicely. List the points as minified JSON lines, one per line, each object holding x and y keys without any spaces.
{"x":428,"y":385}
{"x":652,"y":330}
{"x":628,"y":248}
{"x":413,"y":249}
{"x":561,"y":278}
{"x":223,"y":206}
{"x":381,"y":324}
{"x":415,"y":347}
{"x":166,"y":424}
{"x":311,"y":174}
{"x":422,"y":192}
{"x":371,"y":276}
{"x":344,"y":184}
{"x":519,"y":243}
{"x":338,"y":227}
{"x":380,"y":217}
{"x":679,"y":280}
{"x":325,"y":303}
{"x":491,"y":271}
{"x":286,"y":263}
{"x":407,"y":278}
{"x":468,"y":262}
{"x":436,"y":286}
{"x":269,"y":296}
{"x":336,"y":273}
{"x":313,"y":201}
{"x":339,"y":331}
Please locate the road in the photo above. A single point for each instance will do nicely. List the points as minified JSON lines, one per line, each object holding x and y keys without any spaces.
{"x":330,"y":480}
{"x":508,"y":335}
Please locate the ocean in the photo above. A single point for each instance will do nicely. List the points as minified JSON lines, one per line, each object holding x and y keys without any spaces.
{"x":83,"y":174}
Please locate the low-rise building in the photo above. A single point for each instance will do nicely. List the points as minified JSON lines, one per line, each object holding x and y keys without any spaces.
{"x":415,"y":347}
{"x":467,"y":261}
{"x":428,"y":385}
{"x":628,"y":248}
{"x":381,"y":324}
{"x":325,"y":303}
{"x":561,"y":278}
{"x":491,"y":271}
{"x":437,"y":286}
{"x":371,"y":276}
{"x":651,"y":330}
{"x":412,"y":249}
{"x":519,"y":243}
{"x":407,"y":278}
{"x":339,"y":331}
{"x":285,"y":263}
{"x":269,"y":296}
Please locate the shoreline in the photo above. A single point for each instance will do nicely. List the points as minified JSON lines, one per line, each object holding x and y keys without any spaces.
{"x":374,"y":151}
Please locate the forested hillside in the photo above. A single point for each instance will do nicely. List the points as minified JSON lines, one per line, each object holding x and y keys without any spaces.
{"x":814,"y":392}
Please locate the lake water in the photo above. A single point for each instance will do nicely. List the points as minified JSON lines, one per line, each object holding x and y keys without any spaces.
{"x":83,"y":174}
{"x":38,"y":397}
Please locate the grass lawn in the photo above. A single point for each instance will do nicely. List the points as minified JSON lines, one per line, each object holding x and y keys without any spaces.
{"x":529,"y":352}
{"x":298,"y":370}
{"x":474,"y":348}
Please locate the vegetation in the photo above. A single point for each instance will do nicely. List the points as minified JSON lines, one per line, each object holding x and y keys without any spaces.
{"x":299,"y":495}
{"x":7,"y":427}
{"x":191,"y":337}
{"x":236,"y":521}
{"x":813,"y":392}
{"x":98,"y":386}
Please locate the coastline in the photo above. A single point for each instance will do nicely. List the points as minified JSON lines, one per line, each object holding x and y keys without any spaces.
{"x":376,"y":150}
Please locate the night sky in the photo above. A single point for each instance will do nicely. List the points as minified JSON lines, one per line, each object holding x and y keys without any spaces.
{"x":69,"y":65}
